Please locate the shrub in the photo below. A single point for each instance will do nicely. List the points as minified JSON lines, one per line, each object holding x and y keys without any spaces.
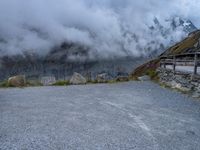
{"x":152,"y":73}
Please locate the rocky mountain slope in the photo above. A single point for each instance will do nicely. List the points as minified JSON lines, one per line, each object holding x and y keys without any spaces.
{"x":67,"y":58}
{"x":187,"y":45}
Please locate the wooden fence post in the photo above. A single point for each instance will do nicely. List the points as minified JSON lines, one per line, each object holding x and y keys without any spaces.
{"x":164,"y":63}
{"x":195,"y":64}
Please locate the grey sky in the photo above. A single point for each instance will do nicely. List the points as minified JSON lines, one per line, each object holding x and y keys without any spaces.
{"x":39,"y":25}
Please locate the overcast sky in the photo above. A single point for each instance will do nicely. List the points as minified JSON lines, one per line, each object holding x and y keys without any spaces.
{"x":102,"y":25}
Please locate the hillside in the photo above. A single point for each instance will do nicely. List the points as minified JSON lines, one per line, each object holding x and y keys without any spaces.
{"x":187,"y":45}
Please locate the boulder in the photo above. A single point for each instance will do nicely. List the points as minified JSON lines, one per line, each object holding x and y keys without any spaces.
{"x":144,"y":78}
{"x":77,"y":79}
{"x":48,"y":80}
{"x":175,"y":85}
{"x":17,"y":81}
{"x":102,"y":78}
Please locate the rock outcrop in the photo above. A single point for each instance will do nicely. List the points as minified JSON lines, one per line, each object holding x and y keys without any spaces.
{"x":77,"y":79}
{"x":102,"y":78}
{"x":17,"y":81}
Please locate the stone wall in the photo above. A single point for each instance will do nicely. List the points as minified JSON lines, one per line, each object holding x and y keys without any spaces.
{"x":185,"y":82}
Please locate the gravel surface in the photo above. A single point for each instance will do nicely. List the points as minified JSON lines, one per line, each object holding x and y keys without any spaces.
{"x":124,"y":116}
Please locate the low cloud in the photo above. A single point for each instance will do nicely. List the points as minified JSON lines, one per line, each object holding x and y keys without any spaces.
{"x":110,"y":28}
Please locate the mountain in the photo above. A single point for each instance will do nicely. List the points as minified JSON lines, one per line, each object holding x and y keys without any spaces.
{"x":187,"y":25}
{"x":67,"y":58}
{"x":188,"y":45}
{"x":164,"y":36}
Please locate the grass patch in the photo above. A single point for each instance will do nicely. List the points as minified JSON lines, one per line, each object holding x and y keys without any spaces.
{"x":184,"y":45}
{"x":92,"y":82}
{"x":4,"y":84}
{"x":152,"y":74}
{"x":33,"y":83}
{"x":61,"y":83}
{"x":148,"y":68}
{"x":112,"y":81}
{"x":96,"y":82}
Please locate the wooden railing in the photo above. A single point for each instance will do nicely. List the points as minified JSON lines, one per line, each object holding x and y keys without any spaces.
{"x":187,"y":59}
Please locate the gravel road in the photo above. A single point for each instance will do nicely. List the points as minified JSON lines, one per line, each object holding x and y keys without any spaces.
{"x":124,"y":116}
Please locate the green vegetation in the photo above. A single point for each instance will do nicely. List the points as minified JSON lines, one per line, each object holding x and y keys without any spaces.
{"x":61,"y":83}
{"x":112,"y":81}
{"x":148,"y":68}
{"x":4,"y":84}
{"x":152,"y":74}
{"x":33,"y":83}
